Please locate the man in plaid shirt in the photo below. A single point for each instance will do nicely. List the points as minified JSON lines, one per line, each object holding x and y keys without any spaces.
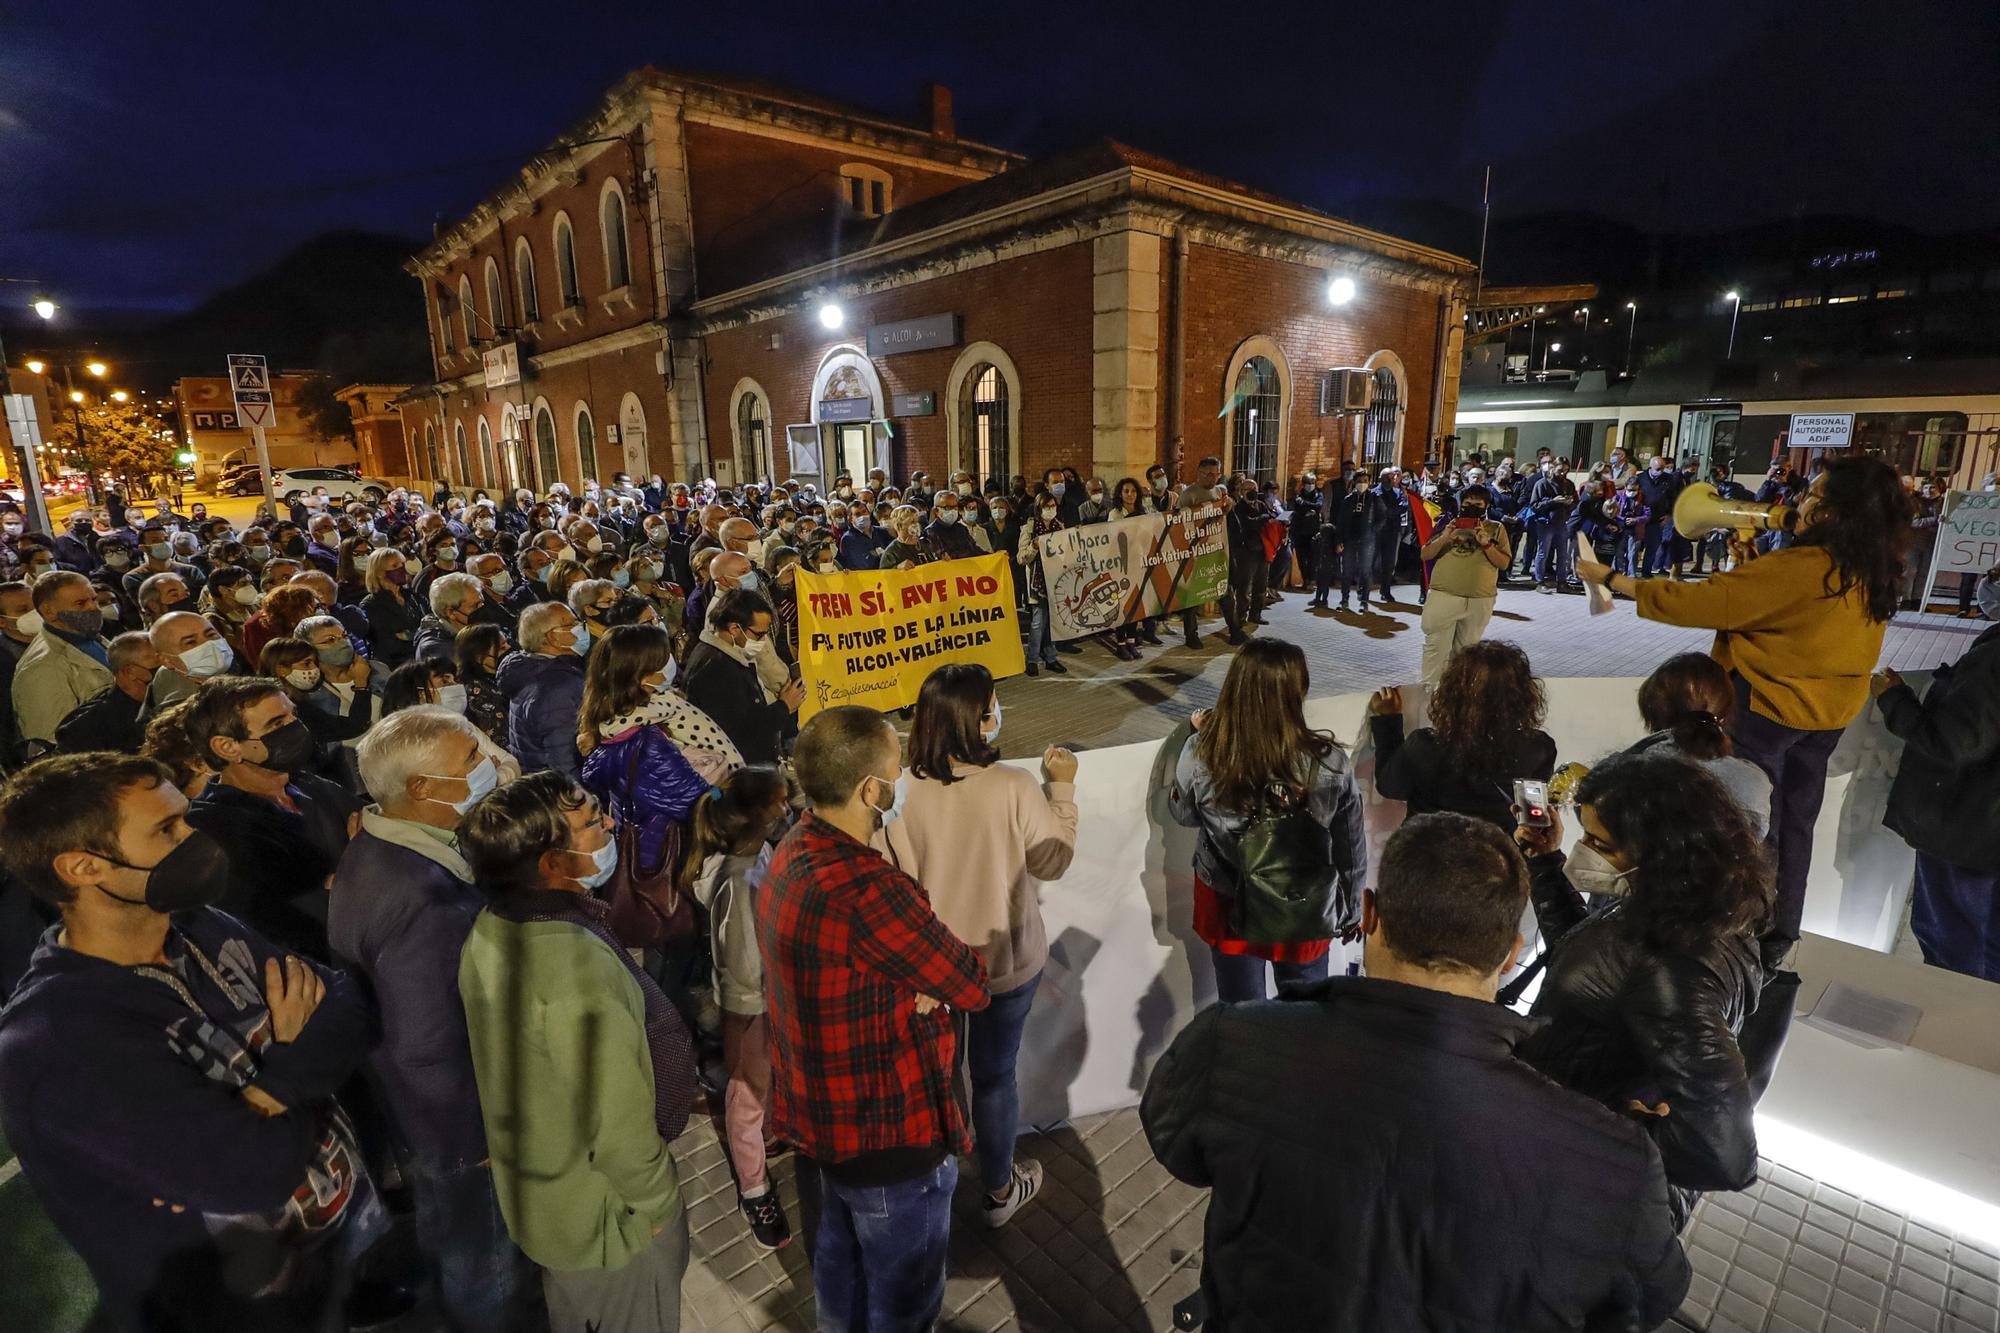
{"x":859,"y":976}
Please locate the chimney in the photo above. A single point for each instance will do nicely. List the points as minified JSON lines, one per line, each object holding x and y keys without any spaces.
{"x":940,"y":108}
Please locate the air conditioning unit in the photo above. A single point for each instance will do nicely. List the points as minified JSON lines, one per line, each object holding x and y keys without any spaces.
{"x":1345,"y":389}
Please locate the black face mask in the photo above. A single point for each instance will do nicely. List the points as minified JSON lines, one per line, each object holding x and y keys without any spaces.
{"x":1473,"y":511}
{"x":295,"y":546}
{"x":192,"y":875}
{"x":286,"y":749}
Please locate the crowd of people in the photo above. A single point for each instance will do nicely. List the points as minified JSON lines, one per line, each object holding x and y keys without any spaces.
{"x":437,"y":860}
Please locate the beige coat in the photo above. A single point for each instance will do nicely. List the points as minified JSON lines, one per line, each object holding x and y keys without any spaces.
{"x":52,"y":678}
{"x":980,"y":847}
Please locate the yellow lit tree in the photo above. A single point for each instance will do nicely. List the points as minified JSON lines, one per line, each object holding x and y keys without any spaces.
{"x":119,"y":440}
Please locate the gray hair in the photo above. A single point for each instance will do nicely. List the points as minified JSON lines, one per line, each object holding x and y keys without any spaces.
{"x":448,"y":590}
{"x":537,"y":621}
{"x":149,"y":591}
{"x":584,"y":591}
{"x":404,"y":745}
{"x":311,"y":625}
{"x":127,"y":648}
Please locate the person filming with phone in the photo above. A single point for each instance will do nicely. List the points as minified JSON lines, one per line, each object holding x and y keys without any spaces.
{"x":1466,"y":557}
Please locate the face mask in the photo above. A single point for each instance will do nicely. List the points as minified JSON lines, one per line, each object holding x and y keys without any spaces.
{"x":1588,"y":871}
{"x":845,"y":492}
{"x":305,"y":678}
{"x":36,"y":571}
{"x":567,"y":552}
{"x":1058,"y":488}
{"x":501,"y":583}
{"x":285,"y":749}
{"x":206,"y":659}
{"x":603,"y":862}
{"x":885,"y":815}
{"x":1048,"y":513}
{"x":829,"y":568}
{"x":621,"y":578}
{"x":1159,"y":485}
{"x":13,"y":529}
{"x":755,"y":550}
{"x":337,"y":656}
{"x":753,"y":581}
{"x":580,"y":645}
{"x":255,"y":554}
{"x":447,"y":558}
{"x":963,"y":488}
{"x":1097,"y":497}
{"x":192,"y":875}
{"x":992,"y":734}
{"x":160,"y":550}
{"x":838,"y":520}
{"x":84,"y":624}
{"x":112,"y":613}
{"x":116,"y":559}
{"x":30,"y":623}
{"x":452,"y":697}
{"x":397,"y":577}
{"x":1474,"y":511}
{"x":245,"y":595}
{"x":657,"y":535}
{"x":947,"y":516}
{"x":999,"y":513}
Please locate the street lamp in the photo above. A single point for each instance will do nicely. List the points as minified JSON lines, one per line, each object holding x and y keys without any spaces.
{"x":1340,"y":291}
{"x":45,"y":308}
{"x":1735,"y":300}
{"x":1631,"y":330}
{"x":1553,"y":347}
{"x":120,"y":396}
{"x":831,"y":316}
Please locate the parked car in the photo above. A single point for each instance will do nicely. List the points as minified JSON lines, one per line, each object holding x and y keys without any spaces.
{"x":289,"y":483}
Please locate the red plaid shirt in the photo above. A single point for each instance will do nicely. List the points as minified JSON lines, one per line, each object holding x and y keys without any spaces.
{"x":849,"y":942}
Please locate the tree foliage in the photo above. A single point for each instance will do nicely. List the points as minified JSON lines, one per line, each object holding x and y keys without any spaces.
{"x":326,"y":418}
{"x":119,"y":440}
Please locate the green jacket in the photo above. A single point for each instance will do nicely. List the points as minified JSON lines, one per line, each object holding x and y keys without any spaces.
{"x":566,"y":1090}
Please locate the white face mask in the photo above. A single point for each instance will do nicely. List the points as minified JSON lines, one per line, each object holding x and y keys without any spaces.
{"x":963,"y":488}
{"x":992,"y":734}
{"x":603,"y":862}
{"x":245,"y":594}
{"x":305,"y":678}
{"x":206,"y":659}
{"x":452,"y":697}
{"x":1589,"y":871}
{"x":947,"y":516}
{"x":886,"y":815}
{"x":501,"y":583}
{"x":483,"y":778}
{"x":30,"y":623}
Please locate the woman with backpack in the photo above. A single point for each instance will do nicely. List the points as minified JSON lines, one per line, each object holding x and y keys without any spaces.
{"x":1258,"y":782}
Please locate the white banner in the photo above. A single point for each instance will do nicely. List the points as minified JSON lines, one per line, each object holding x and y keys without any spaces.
{"x":1102,"y":575}
{"x":1968,"y":534}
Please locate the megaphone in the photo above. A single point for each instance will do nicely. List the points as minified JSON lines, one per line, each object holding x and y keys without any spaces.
{"x":1701,"y":510}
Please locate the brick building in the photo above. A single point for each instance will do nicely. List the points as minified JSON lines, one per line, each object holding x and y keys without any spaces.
{"x":714,"y":277}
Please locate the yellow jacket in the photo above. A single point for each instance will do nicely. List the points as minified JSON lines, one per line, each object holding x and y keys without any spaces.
{"x":1806,"y":655}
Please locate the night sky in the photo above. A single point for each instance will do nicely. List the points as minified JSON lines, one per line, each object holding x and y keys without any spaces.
{"x":152,"y":153}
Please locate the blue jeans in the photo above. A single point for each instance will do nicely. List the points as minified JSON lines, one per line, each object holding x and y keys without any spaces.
{"x":483,"y":1279}
{"x":1954,"y":917}
{"x":1553,"y":545}
{"x":878,"y":1257}
{"x":1041,"y":646}
{"x":992,"y":1042}
{"x":1239,"y":977}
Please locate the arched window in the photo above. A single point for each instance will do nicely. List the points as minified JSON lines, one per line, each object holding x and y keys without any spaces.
{"x":467,"y":312}
{"x":611,"y":220}
{"x":755,"y":434}
{"x":431,"y":448}
{"x":524,"y":281}
{"x":444,"y":320}
{"x":496,"y":307}
{"x":982,"y":414}
{"x":566,"y":283}
{"x":865,"y":189}
{"x":1384,"y":403}
{"x":545,"y":448}
{"x":464,"y":472}
{"x":487,"y":464}
{"x":1256,"y":400}
{"x":586,"y":443}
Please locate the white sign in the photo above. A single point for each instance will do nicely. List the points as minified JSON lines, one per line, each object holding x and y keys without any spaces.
{"x":250,"y":384}
{"x":1968,"y":533}
{"x":502,"y":365}
{"x":23,"y":421}
{"x":1821,"y":430}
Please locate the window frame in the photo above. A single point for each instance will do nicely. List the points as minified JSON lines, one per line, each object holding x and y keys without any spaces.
{"x":569,"y":283}
{"x":616,"y":274}
{"x":525,"y":292}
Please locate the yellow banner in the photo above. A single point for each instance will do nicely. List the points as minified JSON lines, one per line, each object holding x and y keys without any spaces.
{"x":871,"y":638}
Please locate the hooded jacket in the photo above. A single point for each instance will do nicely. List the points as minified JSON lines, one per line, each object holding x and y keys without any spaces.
{"x":641,"y":772}
{"x":117,"y":1096}
{"x":544,"y":696}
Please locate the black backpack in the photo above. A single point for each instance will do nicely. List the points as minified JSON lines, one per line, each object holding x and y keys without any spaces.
{"x":1286,"y":876}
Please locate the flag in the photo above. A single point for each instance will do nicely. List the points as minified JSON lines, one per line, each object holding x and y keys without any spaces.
{"x":1423,"y":517}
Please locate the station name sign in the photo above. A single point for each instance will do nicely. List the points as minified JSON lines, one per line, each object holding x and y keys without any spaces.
{"x":913,"y":335}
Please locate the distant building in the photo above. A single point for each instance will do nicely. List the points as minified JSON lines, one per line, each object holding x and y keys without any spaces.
{"x":378,"y":429}
{"x":207,"y":415}
{"x":719,"y":277}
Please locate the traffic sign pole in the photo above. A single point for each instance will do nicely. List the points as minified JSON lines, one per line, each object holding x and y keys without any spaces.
{"x":250,"y":385}
{"x":264,"y":469}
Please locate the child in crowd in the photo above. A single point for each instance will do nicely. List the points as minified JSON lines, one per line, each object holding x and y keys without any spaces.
{"x":735,"y":826}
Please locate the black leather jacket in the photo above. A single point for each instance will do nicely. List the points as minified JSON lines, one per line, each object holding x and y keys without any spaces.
{"x":1625,"y":1020}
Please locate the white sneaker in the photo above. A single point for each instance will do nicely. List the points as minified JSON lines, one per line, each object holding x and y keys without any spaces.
{"x":1027,"y":1182}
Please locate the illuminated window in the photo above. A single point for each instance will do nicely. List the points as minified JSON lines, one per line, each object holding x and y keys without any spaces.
{"x":983,"y":410}
{"x":865,"y":190}
{"x":1254,"y":439}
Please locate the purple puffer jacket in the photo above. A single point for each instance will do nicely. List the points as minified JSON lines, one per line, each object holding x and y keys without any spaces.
{"x":662,"y":792}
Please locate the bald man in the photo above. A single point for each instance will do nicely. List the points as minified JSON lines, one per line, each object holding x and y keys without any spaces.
{"x":191,"y":651}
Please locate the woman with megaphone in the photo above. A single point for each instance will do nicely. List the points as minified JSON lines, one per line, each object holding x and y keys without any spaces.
{"x":1800,"y":630}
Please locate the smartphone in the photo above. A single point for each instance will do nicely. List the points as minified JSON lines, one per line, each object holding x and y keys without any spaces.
{"x":1465,"y":523}
{"x":1532,"y":799}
